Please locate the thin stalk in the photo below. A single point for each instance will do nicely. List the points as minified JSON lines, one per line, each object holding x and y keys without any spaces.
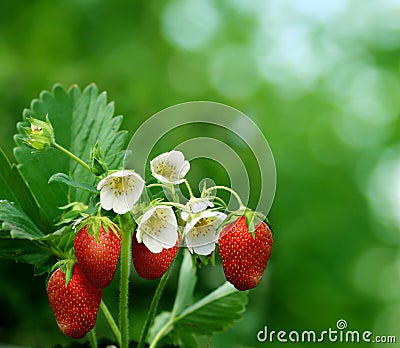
{"x":161,"y":333}
{"x":189,"y":189}
{"x":176,"y":205}
{"x":71,"y":155}
{"x":126,"y":226}
{"x":52,"y":247}
{"x":111,"y":322}
{"x":169,"y":187}
{"x":92,"y":338}
{"x":173,"y":193}
{"x":242,"y":206}
{"x":153,"y":307}
{"x":155,"y":185}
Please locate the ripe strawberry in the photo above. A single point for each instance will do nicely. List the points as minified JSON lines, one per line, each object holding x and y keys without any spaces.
{"x":150,"y":265}
{"x":75,"y":305}
{"x":97,"y":251}
{"x":244,"y":257}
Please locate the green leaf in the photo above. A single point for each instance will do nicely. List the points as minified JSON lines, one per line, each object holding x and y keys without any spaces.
{"x":160,"y":321}
{"x":186,"y":284}
{"x":215,"y":312}
{"x":23,"y":250}
{"x":71,"y":212}
{"x":17,"y":222}
{"x":14,"y":189}
{"x":66,"y":180}
{"x":80,"y":119}
{"x":185,"y":340}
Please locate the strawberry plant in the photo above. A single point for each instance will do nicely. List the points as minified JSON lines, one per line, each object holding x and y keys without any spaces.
{"x":70,"y":208}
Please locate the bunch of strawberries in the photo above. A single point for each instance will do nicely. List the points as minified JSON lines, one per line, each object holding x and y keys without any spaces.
{"x":75,"y":303}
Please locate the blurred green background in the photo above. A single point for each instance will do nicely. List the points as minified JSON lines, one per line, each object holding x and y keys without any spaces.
{"x":320,"y":79}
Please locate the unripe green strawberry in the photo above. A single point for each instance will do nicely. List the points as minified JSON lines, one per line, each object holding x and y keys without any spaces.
{"x":75,"y":305}
{"x":151,"y":265}
{"x":97,"y":252}
{"x":244,"y":257}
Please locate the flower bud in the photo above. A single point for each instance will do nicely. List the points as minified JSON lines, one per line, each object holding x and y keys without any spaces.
{"x":39,"y":135}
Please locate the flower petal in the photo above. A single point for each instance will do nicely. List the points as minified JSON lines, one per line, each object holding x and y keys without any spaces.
{"x":204,"y":249}
{"x":170,"y":167}
{"x":120,"y":191}
{"x":157,"y":163}
{"x":120,"y":205}
{"x":169,"y":237}
{"x":139,"y":237}
{"x":152,"y":244}
{"x":202,"y":239}
{"x":121,"y":173}
{"x":184,"y":215}
{"x":176,"y":158}
{"x":184,"y":169}
{"x":102,"y":182}
{"x":198,"y":206}
{"x":201,"y":233}
{"x":107,"y":198}
{"x":194,"y":206}
{"x":133,"y":188}
{"x":158,"y":226}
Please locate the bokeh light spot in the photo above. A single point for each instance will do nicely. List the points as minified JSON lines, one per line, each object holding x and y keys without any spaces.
{"x":190,"y":24}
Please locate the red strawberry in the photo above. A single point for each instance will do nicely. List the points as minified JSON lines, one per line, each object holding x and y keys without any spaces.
{"x":150,"y":265}
{"x":75,"y":305}
{"x":244,"y":257}
{"x":97,"y":251}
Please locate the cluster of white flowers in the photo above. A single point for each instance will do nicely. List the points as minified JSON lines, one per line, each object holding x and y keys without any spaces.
{"x":158,"y":226}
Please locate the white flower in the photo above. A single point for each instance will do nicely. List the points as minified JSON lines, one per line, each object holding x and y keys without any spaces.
{"x":120,"y":191}
{"x":195,"y":206}
{"x":158,"y":229}
{"x":201,"y":232}
{"x":170,"y":167}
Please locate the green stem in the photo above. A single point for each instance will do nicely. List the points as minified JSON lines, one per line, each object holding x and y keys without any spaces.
{"x":173,"y":193}
{"x":92,"y":338}
{"x":169,"y":187}
{"x":221,"y":201}
{"x":189,"y":189}
{"x":176,"y":205}
{"x":242,"y":206}
{"x":52,"y":248}
{"x":153,"y":307}
{"x":126,"y":225}
{"x":111,"y":322}
{"x":155,"y":185}
{"x":161,"y":333}
{"x":71,"y":155}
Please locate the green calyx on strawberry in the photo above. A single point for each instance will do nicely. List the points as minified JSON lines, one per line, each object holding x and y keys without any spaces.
{"x":151,"y":265}
{"x":75,"y":303}
{"x":244,"y":253}
{"x":97,"y":248}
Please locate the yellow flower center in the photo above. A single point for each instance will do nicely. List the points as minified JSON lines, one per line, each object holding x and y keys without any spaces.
{"x":118,"y":185}
{"x":203,"y":227}
{"x":204,"y":222}
{"x":156,"y":222}
{"x":165,"y":170}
